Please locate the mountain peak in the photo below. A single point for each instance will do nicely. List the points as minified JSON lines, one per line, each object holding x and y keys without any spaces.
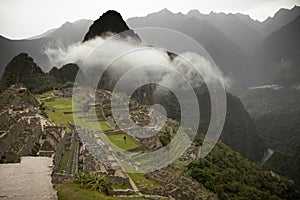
{"x":110,"y":22}
{"x":19,"y":70}
{"x":194,"y":13}
{"x":165,"y":10}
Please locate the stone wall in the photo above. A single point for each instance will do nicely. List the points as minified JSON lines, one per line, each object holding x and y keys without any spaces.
{"x":150,"y":144}
{"x":4,"y":120}
{"x":60,"y":150}
{"x":90,"y":163}
{"x":59,"y":178}
{"x":35,"y":130}
{"x":175,"y":184}
{"x":8,"y":138}
{"x":51,"y":138}
{"x":7,"y":120}
{"x":23,"y":144}
{"x":117,"y":180}
{"x":72,"y":154}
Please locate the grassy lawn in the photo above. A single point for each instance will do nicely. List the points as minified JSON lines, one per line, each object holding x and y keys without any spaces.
{"x":104,"y":126}
{"x":95,"y":125}
{"x":64,"y":161}
{"x":141,"y":181}
{"x":72,"y":191}
{"x":117,"y":139}
{"x":44,"y":95}
{"x":60,"y":105}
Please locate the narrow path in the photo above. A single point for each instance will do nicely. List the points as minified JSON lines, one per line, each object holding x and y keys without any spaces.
{"x":133,"y":185}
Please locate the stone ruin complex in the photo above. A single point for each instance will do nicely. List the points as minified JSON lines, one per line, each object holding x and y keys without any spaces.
{"x":29,"y":134}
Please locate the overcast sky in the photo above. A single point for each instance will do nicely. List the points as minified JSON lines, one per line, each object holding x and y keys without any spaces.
{"x":25,"y":18}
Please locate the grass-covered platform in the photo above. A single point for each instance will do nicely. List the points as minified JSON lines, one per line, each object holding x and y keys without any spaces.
{"x":118,"y":140}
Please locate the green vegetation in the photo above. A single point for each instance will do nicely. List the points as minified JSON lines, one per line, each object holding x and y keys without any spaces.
{"x":276,"y":115}
{"x":142,"y":182}
{"x":60,"y":103}
{"x":286,"y":165}
{"x":118,"y":140}
{"x":238,"y":127}
{"x":167,"y":137}
{"x":230,"y":176}
{"x":123,"y":187}
{"x":282,"y":106}
{"x":55,"y":110}
{"x":64,"y":161}
{"x":95,"y":182}
{"x":104,"y":126}
{"x":72,"y":191}
{"x":93,"y":125}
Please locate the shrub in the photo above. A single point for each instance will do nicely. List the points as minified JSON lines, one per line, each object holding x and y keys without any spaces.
{"x":95,"y":181}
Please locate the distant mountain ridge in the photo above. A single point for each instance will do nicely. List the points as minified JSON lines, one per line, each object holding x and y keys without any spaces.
{"x":75,"y":32}
{"x":68,"y":32}
{"x":246,"y":62}
{"x":22,"y":70}
{"x":280,"y":18}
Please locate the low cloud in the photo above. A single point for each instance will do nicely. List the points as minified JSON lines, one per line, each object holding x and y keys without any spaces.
{"x":271,"y":86}
{"x":99,"y":53}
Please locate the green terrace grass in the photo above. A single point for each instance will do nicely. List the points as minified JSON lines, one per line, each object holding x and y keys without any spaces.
{"x":117,"y":139}
{"x":64,"y":161}
{"x":73,"y":191}
{"x":46,"y":95}
{"x":95,"y":125}
{"x":104,"y":126}
{"x":141,"y":181}
{"x":60,"y":105}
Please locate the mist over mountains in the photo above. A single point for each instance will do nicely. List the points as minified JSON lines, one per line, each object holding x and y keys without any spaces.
{"x":235,"y":41}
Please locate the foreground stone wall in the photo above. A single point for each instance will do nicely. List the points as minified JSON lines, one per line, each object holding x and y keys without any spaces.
{"x":24,"y":136}
{"x":35,"y":130}
{"x":4,"y":120}
{"x":9,"y":137}
{"x":59,"y":178}
{"x":117,"y":180}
